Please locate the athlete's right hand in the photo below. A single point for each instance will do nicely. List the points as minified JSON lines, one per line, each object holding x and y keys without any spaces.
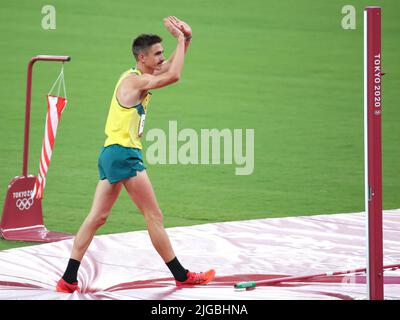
{"x":172,"y":28}
{"x":182,"y":25}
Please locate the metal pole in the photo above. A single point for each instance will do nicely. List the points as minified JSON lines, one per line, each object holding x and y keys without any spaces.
{"x":28,"y":103}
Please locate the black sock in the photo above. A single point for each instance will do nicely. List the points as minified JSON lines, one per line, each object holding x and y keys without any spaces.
{"x":177,"y":270}
{"x":71,"y":273}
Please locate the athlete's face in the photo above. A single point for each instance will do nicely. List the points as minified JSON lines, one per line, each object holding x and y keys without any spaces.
{"x":154,"y":56}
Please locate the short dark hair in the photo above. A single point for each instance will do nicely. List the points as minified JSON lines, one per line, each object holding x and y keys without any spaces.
{"x":143,"y":42}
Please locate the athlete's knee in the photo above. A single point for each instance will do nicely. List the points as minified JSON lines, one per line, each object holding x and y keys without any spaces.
{"x":153,"y":215}
{"x":100,"y":219}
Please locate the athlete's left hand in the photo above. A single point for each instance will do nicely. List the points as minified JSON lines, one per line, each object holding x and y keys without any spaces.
{"x":182,"y":25}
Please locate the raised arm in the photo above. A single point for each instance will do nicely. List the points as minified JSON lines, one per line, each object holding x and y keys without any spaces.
{"x":130,"y":89}
{"x":173,"y":74}
{"x":151,"y":81}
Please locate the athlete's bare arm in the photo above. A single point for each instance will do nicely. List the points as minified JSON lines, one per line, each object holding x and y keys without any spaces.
{"x":134,"y":87}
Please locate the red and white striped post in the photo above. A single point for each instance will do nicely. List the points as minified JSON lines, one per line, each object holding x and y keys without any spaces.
{"x":373,"y":150}
{"x":22,"y":217}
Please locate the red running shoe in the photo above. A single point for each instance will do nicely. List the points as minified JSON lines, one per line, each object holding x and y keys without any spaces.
{"x":64,"y":286}
{"x":197,"y":278}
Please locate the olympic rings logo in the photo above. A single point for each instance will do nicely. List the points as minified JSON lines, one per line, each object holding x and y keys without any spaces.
{"x":24,"y":203}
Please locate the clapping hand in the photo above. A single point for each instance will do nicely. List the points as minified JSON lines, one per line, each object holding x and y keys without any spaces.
{"x":172,"y":28}
{"x":181,"y":25}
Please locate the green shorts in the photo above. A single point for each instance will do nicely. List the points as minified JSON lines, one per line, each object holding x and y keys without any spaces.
{"x":117,"y":163}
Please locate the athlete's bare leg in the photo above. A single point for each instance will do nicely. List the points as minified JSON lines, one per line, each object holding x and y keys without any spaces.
{"x":141,"y":192}
{"x":104,"y":198}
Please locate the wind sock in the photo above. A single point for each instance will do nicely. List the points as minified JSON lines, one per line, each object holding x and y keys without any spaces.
{"x":55,"y":107}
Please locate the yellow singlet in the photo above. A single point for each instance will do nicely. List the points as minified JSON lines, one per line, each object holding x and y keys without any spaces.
{"x":125,"y":125}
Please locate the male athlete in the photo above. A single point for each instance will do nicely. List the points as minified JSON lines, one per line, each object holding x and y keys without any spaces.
{"x":120,"y":161}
